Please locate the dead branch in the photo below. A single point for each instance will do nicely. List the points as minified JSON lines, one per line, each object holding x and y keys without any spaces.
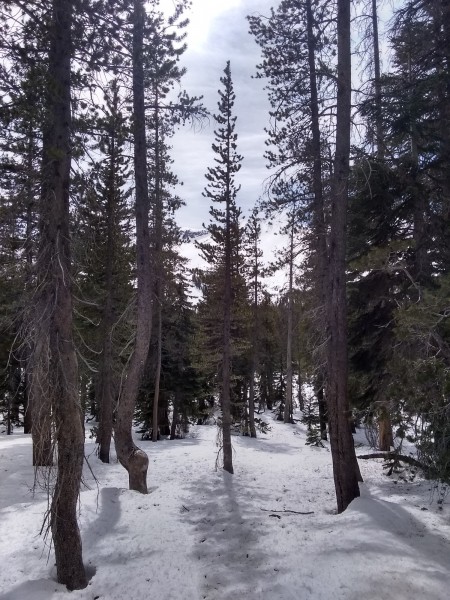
{"x":294,"y":512}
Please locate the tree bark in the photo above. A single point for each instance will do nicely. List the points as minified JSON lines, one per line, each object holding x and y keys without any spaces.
{"x":288,"y":412}
{"x":319,"y":225}
{"x":158,"y":261}
{"x":301,"y":399}
{"x":226,"y":357}
{"x":55,"y":376}
{"x":377,"y":84}
{"x":322,"y":411}
{"x":105,"y":392}
{"x":29,"y":254}
{"x":251,"y":394}
{"x":133,"y":459}
{"x":155,"y":416}
{"x":386,"y":439}
{"x":342,"y":448}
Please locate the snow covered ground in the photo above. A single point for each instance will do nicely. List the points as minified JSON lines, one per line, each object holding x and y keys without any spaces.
{"x":202,"y":534}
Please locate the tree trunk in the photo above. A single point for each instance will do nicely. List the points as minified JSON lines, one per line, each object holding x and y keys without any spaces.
{"x":105,"y":391}
{"x":27,"y":420}
{"x":445,"y":112}
{"x":175,"y":417}
{"x":377,"y":84}
{"x":386,"y":439}
{"x":55,"y":377}
{"x":288,"y":408}
{"x":155,"y":423}
{"x":158,"y":262}
{"x":342,"y":448}
{"x":28,"y":249}
{"x":301,"y":399}
{"x":251,"y":404}
{"x":322,"y":412}
{"x":226,"y":357}
{"x":134,"y":460}
{"x":251,"y":394}
{"x":319,"y":225}
{"x":41,"y":410}
{"x":105,"y":397}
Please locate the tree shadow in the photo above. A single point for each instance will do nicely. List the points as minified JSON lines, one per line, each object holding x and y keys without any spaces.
{"x":229,"y":531}
{"x":105,"y":522}
{"x":37,"y":589}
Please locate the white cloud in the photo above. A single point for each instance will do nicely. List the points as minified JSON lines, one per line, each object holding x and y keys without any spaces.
{"x":201,"y":16}
{"x":218,"y":31}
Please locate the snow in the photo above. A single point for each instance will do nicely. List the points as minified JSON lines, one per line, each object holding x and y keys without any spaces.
{"x":204,"y":534}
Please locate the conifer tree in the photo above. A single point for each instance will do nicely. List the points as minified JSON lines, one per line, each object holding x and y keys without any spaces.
{"x":222,"y":252}
{"x":103,"y":259}
{"x":133,"y":459}
{"x":54,"y":363}
{"x":297,"y":43}
{"x":254,"y":266}
{"x":345,"y":466}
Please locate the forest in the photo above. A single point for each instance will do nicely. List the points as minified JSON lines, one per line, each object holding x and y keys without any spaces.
{"x":115,"y":348}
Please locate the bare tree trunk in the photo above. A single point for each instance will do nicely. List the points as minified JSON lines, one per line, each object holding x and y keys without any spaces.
{"x":345,"y":465}
{"x":255,"y":330}
{"x":27,"y":420}
{"x":175,"y":416}
{"x":38,"y":418}
{"x":28,"y":249}
{"x":322,"y":410}
{"x":386,"y":439}
{"x":133,"y":459}
{"x":41,"y":409}
{"x":288,"y":404}
{"x":301,"y":399}
{"x":106,"y":403}
{"x":155,"y":416}
{"x":319,"y":224}
{"x":377,"y":83}
{"x":55,"y":376}
{"x":251,"y":404}
{"x":105,"y":391}
{"x":445,"y":112}
{"x":158,"y":260}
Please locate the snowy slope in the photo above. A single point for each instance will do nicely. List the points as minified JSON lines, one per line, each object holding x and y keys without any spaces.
{"x":202,"y":534}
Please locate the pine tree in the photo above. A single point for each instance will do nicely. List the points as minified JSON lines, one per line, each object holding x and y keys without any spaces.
{"x":133,"y":459}
{"x":345,"y":466}
{"x":163,"y":73}
{"x":54,"y":375}
{"x":254,"y":265}
{"x":222,"y":252}
{"x":298,"y":43}
{"x":103,"y":260}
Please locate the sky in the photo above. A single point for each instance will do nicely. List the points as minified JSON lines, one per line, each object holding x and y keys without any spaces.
{"x":218,"y":31}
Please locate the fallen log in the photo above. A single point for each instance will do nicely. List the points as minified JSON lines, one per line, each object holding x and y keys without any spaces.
{"x":409,"y":460}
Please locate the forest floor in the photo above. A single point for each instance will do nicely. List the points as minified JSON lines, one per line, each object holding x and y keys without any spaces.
{"x":202,"y":534}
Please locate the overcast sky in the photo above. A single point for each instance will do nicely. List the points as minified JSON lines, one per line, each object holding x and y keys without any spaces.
{"x":218,"y":31}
